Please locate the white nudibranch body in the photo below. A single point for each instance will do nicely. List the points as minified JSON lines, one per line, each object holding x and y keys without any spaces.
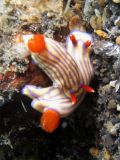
{"x":70,"y":70}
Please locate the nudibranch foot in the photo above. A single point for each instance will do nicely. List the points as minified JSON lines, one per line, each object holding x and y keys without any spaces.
{"x":33,"y":91}
{"x":50,"y":97}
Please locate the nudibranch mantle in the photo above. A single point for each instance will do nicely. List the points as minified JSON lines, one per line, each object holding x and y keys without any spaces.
{"x":69,"y":68}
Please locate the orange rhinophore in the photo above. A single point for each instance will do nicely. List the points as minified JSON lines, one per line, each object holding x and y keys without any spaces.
{"x":50,"y":120}
{"x":37,"y":43}
{"x":87,"y":44}
{"x":73,"y":39}
{"x":87,"y":88}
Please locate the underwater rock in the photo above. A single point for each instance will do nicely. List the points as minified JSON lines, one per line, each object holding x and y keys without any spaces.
{"x":116,"y":1}
{"x":81,"y":133}
{"x":88,"y":10}
{"x":12,"y":82}
{"x":106,"y":47}
{"x":118,"y":40}
{"x":96,"y":22}
{"x":112,"y":104}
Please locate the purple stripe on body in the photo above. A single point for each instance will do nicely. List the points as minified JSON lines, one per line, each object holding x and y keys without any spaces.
{"x":39,"y":62}
{"x":67,"y":65}
{"x":56,"y":69}
{"x":66,"y":59}
{"x":62,"y":66}
{"x":84,"y":66}
{"x":85,"y":71}
{"x":73,"y":66}
{"x":83,"y":76}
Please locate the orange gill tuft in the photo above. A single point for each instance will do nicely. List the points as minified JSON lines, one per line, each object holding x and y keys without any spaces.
{"x":50,"y":120}
{"x":37,"y":43}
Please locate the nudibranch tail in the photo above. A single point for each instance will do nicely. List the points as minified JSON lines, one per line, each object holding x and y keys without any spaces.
{"x":50,"y":120}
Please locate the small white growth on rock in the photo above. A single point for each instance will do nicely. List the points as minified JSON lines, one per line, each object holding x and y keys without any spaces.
{"x":115,"y":84}
{"x":5,"y":140}
{"x":112,"y":83}
{"x":118,"y":107}
{"x":112,"y":129}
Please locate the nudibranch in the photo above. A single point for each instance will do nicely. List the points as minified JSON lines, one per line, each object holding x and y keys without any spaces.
{"x":70,"y":70}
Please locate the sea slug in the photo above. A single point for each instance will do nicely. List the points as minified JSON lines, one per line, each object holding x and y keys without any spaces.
{"x":70,"y":70}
